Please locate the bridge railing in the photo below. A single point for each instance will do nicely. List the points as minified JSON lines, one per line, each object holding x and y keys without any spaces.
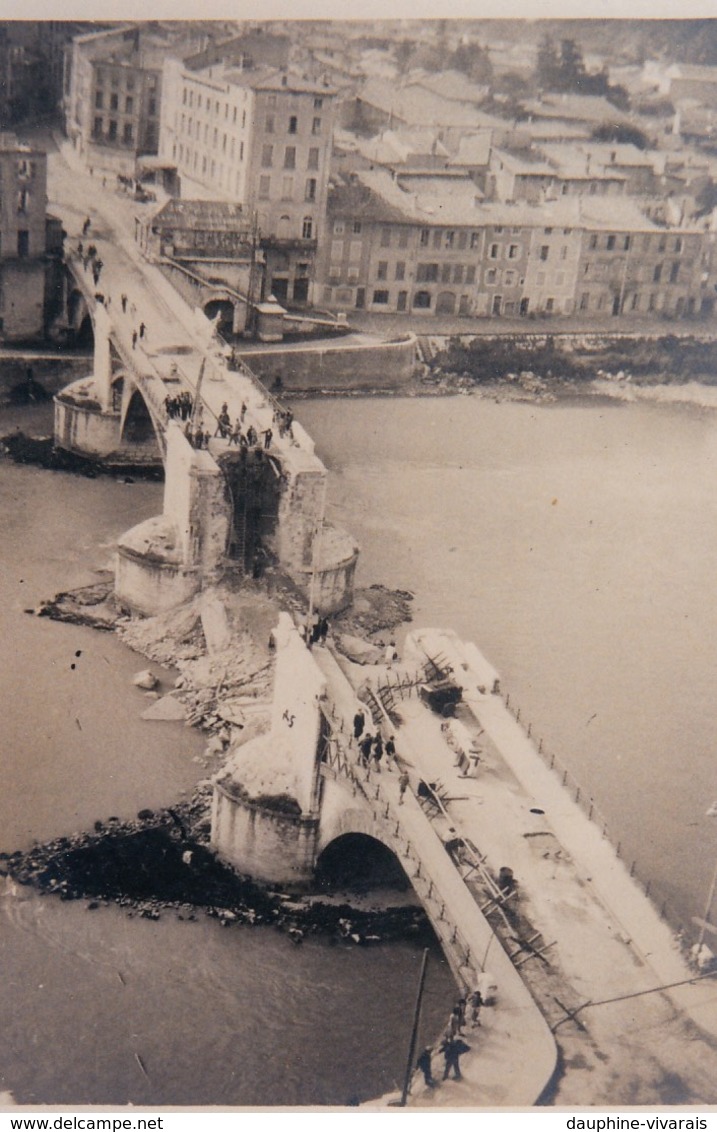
{"x":381,"y":792}
{"x":687,"y":933}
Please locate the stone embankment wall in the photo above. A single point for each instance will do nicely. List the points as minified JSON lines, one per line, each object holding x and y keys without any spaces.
{"x":337,"y":368}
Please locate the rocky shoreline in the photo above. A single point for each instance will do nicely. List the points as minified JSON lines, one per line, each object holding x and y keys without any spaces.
{"x":160,"y":865}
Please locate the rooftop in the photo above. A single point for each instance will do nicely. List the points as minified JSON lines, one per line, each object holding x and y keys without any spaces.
{"x":219,"y":216}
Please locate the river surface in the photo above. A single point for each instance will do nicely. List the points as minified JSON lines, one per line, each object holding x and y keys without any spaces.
{"x":575,"y":543}
{"x":96,"y":1008}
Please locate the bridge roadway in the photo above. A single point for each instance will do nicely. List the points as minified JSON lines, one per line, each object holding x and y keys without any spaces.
{"x":175,"y":341}
{"x":513,"y":1054}
{"x":604,"y":951}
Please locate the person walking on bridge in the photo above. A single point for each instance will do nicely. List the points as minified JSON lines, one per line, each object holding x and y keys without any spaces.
{"x":359,"y":721}
{"x":267,"y":434}
{"x":452,"y":1048}
{"x":365,"y":748}
{"x":424,"y":1064}
{"x":402,"y":786}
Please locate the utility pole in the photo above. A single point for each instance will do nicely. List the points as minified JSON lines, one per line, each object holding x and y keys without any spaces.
{"x":414,"y":1030}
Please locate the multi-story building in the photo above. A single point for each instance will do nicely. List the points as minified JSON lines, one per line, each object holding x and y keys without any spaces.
{"x":390,"y":250}
{"x":26,"y":275}
{"x":629,"y":265}
{"x":261,"y":138}
{"x":113,"y":89}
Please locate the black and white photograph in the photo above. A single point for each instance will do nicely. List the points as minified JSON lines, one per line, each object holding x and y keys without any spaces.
{"x":358,"y":499}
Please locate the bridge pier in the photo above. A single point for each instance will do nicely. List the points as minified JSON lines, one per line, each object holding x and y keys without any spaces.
{"x":265,"y":806}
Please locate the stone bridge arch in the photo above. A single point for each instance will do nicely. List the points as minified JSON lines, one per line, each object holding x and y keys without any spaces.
{"x":228,"y":307}
{"x":139,"y":430}
{"x":79,"y":317}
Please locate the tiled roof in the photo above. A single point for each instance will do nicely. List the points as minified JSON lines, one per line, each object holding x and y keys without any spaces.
{"x":213,"y":215}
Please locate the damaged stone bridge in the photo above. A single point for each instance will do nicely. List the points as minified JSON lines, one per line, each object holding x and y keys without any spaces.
{"x":291,"y":795}
{"x":224,"y":506}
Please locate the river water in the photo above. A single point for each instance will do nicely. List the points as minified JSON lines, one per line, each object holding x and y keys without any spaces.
{"x":575,"y":543}
{"x":100,"y":1009}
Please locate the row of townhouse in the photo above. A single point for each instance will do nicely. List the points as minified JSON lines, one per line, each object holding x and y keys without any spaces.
{"x":392,"y":251}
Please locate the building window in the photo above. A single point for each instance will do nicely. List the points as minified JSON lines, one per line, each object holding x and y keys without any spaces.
{"x":662,"y":244}
{"x":127,"y":134}
{"x":128,"y":105}
{"x":678,"y":243}
{"x":475,"y":236}
{"x":307,"y":228}
{"x":97,"y":128}
{"x":425,"y":235}
{"x":470,"y":274}
{"x":318,"y":103}
{"x":401,"y":300}
{"x":446,"y":273}
{"x":316,"y":126}
{"x":99,"y":99}
{"x":264,"y":187}
{"x":437,"y":237}
{"x":339,"y":227}
{"x":23,"y":201}
{"x":494,"y":249}
{"x":422,"y":300}
{"x":458,"y":273}
{"x":544,"y":252}
{"x":610,"y":244}
{"x":311,"y":189}
{"x":112,"y":131}
{"x":380,"y":297}
{"x":593,"y":242}
{"x":509,"y":278}
{"x":357,"y":227}
{"x":385,"y":237}
{"x":462,"y":240}
{"x":241,"y":151}
{"x":657,"y":273}
{"x":313,"y":162}
{"x":491,"y":276}
{"x":269,"y":124}
{"x":674,"y":272}
{"x":513,"y":251}
{"x":382,"y":269}
{"x":626,"y":243}
{"x":400,"y":270}
{"x":290,"y":157}
{"x":550,"y":305}
{"x":267,"y":156}
{"x":114,"y":102}
{"x":450,"y":239}
{"x":584,"y":300}
{"x":403,"y":234}
{"x":427,"y":273}
{"x":287,"y":188}
{"x":293,"y":124}
{"x":23,"y":243}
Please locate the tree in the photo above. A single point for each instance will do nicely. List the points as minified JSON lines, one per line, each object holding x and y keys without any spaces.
{"x":571,"y":69}
{"x":547,"y":65}
{"x":623,"y":134}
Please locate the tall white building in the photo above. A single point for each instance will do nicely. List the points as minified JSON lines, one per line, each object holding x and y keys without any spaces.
{"x":259,"y":137}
